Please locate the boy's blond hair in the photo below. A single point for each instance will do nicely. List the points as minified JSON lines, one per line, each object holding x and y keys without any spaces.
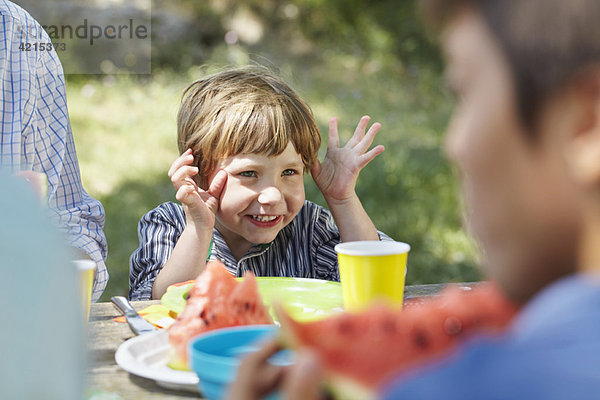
{"x":244,"y":110}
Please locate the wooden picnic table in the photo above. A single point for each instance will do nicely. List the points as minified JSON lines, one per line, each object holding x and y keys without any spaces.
{"x":105,"y":336}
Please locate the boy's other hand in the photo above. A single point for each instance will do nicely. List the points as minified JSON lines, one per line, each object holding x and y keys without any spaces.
{"x":200,"y":205}
{"x":336,"y":176}
{"x":257,"y":377}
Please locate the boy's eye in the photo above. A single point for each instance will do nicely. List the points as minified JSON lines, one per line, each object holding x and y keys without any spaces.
{"x":248,"y":174}
{"x":288,"y":172}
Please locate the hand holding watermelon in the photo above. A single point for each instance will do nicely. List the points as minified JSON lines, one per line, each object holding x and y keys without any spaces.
{"x":257,"y":377}
{"x":360,"y":352}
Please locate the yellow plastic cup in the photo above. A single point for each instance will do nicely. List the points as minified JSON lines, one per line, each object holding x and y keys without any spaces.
{"x":85,"y":270}
{"x":372,"y":270}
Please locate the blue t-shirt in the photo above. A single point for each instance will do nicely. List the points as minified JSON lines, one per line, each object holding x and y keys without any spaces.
{"x":552,"y":351}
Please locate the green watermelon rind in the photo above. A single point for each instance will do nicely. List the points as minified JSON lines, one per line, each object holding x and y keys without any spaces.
{"x":175,"y":362}
{"x":344,"y":388}
{"x":174,"y":299}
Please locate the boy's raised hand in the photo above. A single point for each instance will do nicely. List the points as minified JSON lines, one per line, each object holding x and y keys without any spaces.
{"x":200,"y":205}
{"x":336,"y":176}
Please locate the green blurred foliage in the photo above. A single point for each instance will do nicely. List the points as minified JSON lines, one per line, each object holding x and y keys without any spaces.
{"x":346,"y":58}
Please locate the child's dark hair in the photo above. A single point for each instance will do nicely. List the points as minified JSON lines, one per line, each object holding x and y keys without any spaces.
{"x":546,"y":42}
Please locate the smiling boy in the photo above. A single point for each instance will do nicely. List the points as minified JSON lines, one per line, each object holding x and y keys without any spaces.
{"x":246,"y":140}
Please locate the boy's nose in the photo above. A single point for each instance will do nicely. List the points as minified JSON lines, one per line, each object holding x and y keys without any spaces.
{"x":270,"y":195}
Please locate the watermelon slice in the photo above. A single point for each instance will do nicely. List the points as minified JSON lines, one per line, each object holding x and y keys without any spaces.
{"x":361,"y":351}
{"x":217,"y":300}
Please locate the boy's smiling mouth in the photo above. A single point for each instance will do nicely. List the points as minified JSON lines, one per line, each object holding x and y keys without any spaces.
{"x":265,"y":221}
{"x":264,"y":218}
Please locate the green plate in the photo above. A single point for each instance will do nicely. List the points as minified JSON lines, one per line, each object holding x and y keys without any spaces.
{"x":305,"y":299}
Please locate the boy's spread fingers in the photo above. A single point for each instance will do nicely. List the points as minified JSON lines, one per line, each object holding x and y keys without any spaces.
{"x":334,"y":139}
{"x":366,"y":158}
{"x":367,"y":140}
{"x":374,"y":129}
{"x":359,"y":132}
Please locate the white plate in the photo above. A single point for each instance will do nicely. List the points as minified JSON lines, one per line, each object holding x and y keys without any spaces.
{"x":147,"y":356}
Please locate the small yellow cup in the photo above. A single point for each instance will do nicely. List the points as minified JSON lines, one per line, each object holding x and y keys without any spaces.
{"x":372,"y":270}
{"x":86,"y":270}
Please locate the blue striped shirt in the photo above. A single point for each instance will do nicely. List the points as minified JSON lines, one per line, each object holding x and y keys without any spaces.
{"x":35,"y":133}
{"x":304,"y":248}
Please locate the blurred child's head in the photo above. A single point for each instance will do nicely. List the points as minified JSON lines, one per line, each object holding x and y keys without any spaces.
{"x":245,"y":110}
{"x":544,"y":42}
{"x":526,"y":74}
{"x":252,"y":125}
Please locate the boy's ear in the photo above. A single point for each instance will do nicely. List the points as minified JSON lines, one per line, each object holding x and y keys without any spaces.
{"x":583,"y":152}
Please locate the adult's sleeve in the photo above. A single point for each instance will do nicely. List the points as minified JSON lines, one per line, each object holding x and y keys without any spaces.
{"x":158,"y":232}
{"x":35,"y":134}
{"x":74,"y":211}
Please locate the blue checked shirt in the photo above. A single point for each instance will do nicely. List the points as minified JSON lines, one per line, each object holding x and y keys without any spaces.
{"x":35,"y":133}
{"x":304,"y":248}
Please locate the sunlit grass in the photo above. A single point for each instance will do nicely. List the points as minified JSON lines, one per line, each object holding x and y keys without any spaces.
{"x":123,"y":129}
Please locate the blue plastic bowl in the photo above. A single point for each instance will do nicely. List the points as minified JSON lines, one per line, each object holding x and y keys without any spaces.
{"x":215,"y":356}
